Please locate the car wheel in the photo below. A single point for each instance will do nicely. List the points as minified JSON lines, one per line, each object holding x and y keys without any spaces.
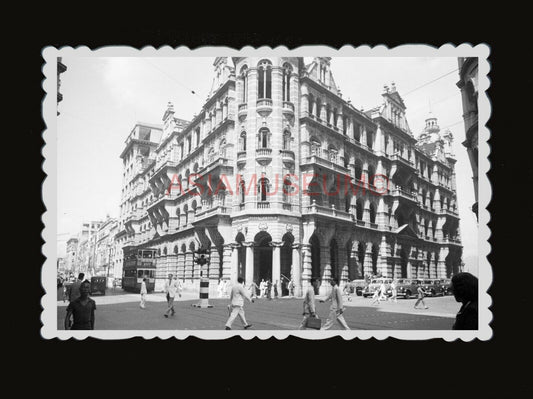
{"x":432,"y":292}
{"x":407,"y":294}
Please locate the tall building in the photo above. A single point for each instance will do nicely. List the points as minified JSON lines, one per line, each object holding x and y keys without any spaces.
{"x":72,"y":255}
{"x":280,"y":178}
{"x":468,"y":83}
{"x":105,"y":247}
{"x":81,"y":250}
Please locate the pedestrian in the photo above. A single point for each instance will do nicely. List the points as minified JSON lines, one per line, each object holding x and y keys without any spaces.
{"x":220,"y":288}
{"x":309,"y":303}
{"x":269,"y":290}
{"x":337,"y":307}
{"x":394,"y":292}
{"x":144,"y":291}
{"x":179,"y":284}
{"x":382,"y":292}
{"x":225,"y":288}
{"x":171,"y":287}
{"x":465,"y":290}
{"x":262,"y":288}
{"x":347,"y":292}
{"x":238,"y":293}
{"x":421,"y":294}
{"x":74,"y":289}
{"x":81,"y":310}
{"x":276,"y":290}
{"x":253,"y":288}
{"x":377,"y":295}
{"x":290,"y":287}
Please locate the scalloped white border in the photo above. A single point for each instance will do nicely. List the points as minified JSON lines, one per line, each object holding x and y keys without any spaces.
{"x":49,"y":190}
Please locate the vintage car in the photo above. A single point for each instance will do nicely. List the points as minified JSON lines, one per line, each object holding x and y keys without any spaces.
{"x":432,"y":287}
{"x":375,"y":284}
{"x":357,"y":287}
{"x":406,"y":287}
{"x":446,"y":285}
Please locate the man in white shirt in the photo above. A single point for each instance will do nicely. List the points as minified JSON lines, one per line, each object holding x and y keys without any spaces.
{"x":144,"y":291}
{"x":309,"y":303}
{"x":171,"y":287}
{"x":337,"y":307}
{"x":238,"y":293}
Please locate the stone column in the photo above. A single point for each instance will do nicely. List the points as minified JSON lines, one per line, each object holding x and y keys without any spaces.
{"x":383,"y":258}
{"x":296,"y":270}
{"x":229,"y":270}
{"x":188,"y":267}
{"x":306,"y":266}
{"x":276,"y":265}
{"x":441,"y":264}
{"x":325,"y":262}
{"x":213,"y":272}
{"x":181,"y":266}
{"x":249,"y":273}
{"x":367,"y":267}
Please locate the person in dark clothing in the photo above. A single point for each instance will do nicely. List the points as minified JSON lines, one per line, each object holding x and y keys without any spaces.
{"x":81,"y":310}
{"x":465,"y":290}
{"x":269,"y":289}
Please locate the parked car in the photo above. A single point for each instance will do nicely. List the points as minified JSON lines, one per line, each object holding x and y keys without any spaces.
{"x":406,"y":287}
{"x":357,"y":286}
{"x":446,"y":285}
{"x":375,"y":284}
{"x":432,"y":287}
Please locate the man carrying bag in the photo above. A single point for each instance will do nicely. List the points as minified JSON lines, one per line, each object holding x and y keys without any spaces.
{"x":337,"y":307}
{"x":310,"y":319}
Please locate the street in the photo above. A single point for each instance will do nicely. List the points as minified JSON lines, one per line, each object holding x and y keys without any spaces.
{"x":121,"y":311}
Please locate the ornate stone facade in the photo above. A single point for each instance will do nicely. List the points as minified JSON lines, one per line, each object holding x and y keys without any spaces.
{"x":281,"y":178}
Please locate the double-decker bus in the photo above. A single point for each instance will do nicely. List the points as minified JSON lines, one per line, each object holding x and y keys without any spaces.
{"x":138,"y":263}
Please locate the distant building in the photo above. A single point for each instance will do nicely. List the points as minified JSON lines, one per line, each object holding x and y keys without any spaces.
{"x":81,"y":250}
{"x":468,"y":83}
{"x":60,"y":69}
{"x":61,"y":265}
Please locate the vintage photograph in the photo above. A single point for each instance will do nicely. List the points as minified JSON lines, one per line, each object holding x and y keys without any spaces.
{"x":266,"y":192}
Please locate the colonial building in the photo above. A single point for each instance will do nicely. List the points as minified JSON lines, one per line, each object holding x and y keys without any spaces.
{"x":280,"y":178}
{"x":468,"y":83}
{"x":81,"y":250}
{"x":105,"y":248}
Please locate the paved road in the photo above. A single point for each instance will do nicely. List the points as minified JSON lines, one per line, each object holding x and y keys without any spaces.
{"x":122,"y":312}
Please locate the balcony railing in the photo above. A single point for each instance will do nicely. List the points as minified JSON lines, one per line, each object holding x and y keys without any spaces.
{"x":263,"y":153}
{"x":241,"y":155}
{"x":263,"y":205}
{"x":264,"y":105}
{"x":287,"y":155}
{"x":405,"y":194}
{"x":242,"y":110}
{"x":399,"y":158}
{"x":288,"y":107}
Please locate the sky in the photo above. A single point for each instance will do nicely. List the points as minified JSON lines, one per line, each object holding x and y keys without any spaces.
{"x":103,"y":98}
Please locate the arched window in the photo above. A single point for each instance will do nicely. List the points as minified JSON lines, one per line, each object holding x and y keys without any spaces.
{"x":222,"y":148}
{"x":333,"y":154}
{"x":242,"y":141}
{"x":359,"y":210}
{"x":263,"y":188}
{"x":264,"y":138}
{"x":318,"y":107}
{"x":311,"y":103}
{"x":372,"y":213}
{"x":315,"y":146}
{"x":264,"y":79}
{"x":287,"y":189}
{"x":328,"y":114}
{"x":210,"y":155}
{"x":286,"y":84}
{"x":371,"y":174}
{"x":244,"y":77}
{"x":242,"y":193}
{"x":286,"y":140}
{"x":335,"y":117}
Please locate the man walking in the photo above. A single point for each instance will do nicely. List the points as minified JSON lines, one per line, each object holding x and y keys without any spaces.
{"x":238,"y":293}
{"x":81,"y":310}
{"x":337,"y":308}
{"x":171,"y":287}
{"x":309,"y":303}
{"x":74,"y":289}
{"x":144,"y":291}
{"x":421,"y":294}
{"x":394,"y":292}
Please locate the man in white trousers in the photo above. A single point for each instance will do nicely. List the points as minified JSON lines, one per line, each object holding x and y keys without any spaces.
{"x":337,"y":307}
{"x":144,"y":291}
{"x":238,"y":293}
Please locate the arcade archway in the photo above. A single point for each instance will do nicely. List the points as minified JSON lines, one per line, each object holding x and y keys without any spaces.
{"x":262,"y":257}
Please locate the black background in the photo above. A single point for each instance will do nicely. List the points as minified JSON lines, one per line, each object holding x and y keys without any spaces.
{"x":389,"y":368}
